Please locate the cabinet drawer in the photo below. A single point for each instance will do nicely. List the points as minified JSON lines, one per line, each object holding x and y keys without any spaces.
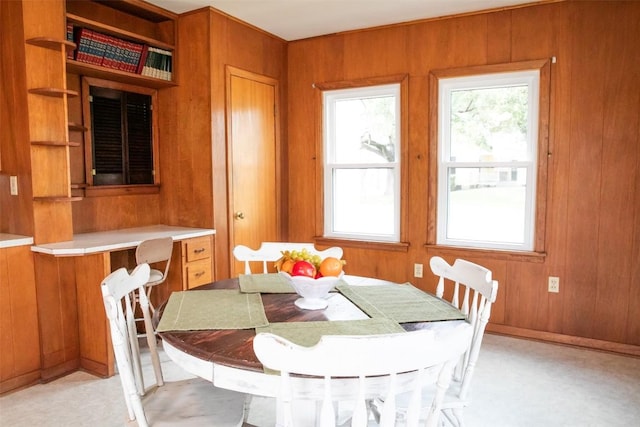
{"x":198,"y":248}
{"x":198,"y":273}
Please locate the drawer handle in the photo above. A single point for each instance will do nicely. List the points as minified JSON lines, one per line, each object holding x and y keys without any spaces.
{"x":198,"y":251}
{"x":200,"y":273}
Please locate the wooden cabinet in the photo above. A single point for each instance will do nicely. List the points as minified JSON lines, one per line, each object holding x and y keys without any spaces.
{"x":118,"y":29}
{"x":197,"y":262}
{"x":19,"y":336}
{"x":74,"y":328}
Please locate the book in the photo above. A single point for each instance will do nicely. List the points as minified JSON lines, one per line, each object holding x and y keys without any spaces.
{"x":70,"y":52}
{"x":143,"y":58}
{"x":98,"y":47}
{"x":83,"y":41}
{"x":108,"y":60}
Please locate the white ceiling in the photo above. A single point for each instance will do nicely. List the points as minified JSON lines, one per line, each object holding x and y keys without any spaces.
{"x":299,"y":19}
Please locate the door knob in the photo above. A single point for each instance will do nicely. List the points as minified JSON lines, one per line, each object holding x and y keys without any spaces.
{"x":238,"y":215}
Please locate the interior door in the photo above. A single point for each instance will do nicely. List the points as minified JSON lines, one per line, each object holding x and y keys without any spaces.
{"x":253,"y":147}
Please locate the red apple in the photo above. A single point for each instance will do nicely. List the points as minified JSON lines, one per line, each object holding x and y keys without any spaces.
{"x":303,"y":268}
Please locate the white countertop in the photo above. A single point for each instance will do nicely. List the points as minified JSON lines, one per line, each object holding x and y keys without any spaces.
{"x":10,"y":240}
{"x":113,"y":240}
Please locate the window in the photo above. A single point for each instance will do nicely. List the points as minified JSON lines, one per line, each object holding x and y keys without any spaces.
{"x":488,"y":158}
{"x":362,"y":163}
{"x":122,"y":141}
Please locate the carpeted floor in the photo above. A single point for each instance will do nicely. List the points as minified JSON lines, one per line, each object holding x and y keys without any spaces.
{"x":518,"y":383}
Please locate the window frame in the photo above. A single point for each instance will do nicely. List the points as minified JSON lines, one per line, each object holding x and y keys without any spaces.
{"x":542,"y":155}
{"x":121,"y":189}
{"x":400,"y":244}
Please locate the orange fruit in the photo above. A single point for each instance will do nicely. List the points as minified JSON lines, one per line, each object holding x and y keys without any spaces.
{"x":287,"y":266}
{"x":330,"y":266}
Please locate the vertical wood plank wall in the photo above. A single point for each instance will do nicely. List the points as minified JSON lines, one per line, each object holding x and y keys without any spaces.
{"x":593,"y":204}
{"x":14,"y":134}
{"x":193,"y":148}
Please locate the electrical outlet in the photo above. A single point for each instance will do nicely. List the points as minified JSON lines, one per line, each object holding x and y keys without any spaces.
{"x":417,"y":270}
{"x":554,"y":284}
{"x":13,"y":183}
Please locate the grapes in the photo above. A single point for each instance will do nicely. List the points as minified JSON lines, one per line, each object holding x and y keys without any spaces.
{"x":300,"y":255}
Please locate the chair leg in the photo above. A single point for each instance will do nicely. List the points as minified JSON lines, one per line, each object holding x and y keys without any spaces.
{"x":151,"y":307}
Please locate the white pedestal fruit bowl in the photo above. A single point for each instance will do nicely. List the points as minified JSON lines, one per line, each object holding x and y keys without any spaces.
{"x":313,"y":291}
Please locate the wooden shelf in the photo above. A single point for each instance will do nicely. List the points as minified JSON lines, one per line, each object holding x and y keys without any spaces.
{"x":56,"y":143}
{"x":78,"y":186}
{"x":51,"y":43}
{"x":57,"y":199}
{"x":92,"y":70}
{"x":98,"y":26}
{"x":76,"y":127}
{"x":53,"y":91}
{"x":129,"y":20}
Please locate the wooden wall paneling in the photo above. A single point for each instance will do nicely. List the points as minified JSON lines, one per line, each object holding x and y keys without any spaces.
{"x":532,"y":30}
{"x":558,"y":166}
{"x":19,"y":334}
{"x":417,"y":139}
{"x":57,"y":314}
{"x":185,"y":149}
{"x":525,"y":291}
{"x":428,"y":46}
{"x":633,"y":207}
{"x":115,"y":212}
{"x":52,"y":222}
{"x":590,"y":132}
{"x":223,"y":52}
{"x":16,"y":214}
{"x":96,"y":352}
{"x":325,"y":64}
{"x":423,"y":48}
{"x":633,"y":316}
{"x":468,"y":40}
{"x":585,"y":174}
{"x":499,"y":30}
{"x":388,"y":46}
{"x":619,"y":171}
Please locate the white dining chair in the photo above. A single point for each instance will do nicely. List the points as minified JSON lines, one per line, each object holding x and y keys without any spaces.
{"x":193,"y":402}
{"x":270,"y":252}
{"x":155,"y":251}
{"x":356,"y":369}
{"x":471,"y":289}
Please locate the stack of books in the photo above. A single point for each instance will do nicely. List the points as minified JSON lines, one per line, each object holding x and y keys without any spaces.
{"x":119,"y":54}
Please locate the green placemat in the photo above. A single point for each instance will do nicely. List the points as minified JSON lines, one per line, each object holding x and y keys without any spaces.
{"x":212,"y":309}
{"x":265,"y":283}
{"x":309,"y":333}
{"x":402,"y":303}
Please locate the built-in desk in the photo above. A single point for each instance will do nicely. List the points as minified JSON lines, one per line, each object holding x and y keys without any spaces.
{"x":74,"y":328}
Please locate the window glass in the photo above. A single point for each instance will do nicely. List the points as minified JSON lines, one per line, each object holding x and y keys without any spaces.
{"x":487,"y":160}
{"x":361,"y":163}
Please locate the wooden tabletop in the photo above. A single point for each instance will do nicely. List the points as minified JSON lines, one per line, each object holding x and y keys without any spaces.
{"x":234,"y":348}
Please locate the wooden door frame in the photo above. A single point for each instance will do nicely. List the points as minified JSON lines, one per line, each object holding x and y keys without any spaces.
{"x":231,"y":71}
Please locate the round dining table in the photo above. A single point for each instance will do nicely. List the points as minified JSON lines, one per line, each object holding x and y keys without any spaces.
{"x":226,"y":357}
